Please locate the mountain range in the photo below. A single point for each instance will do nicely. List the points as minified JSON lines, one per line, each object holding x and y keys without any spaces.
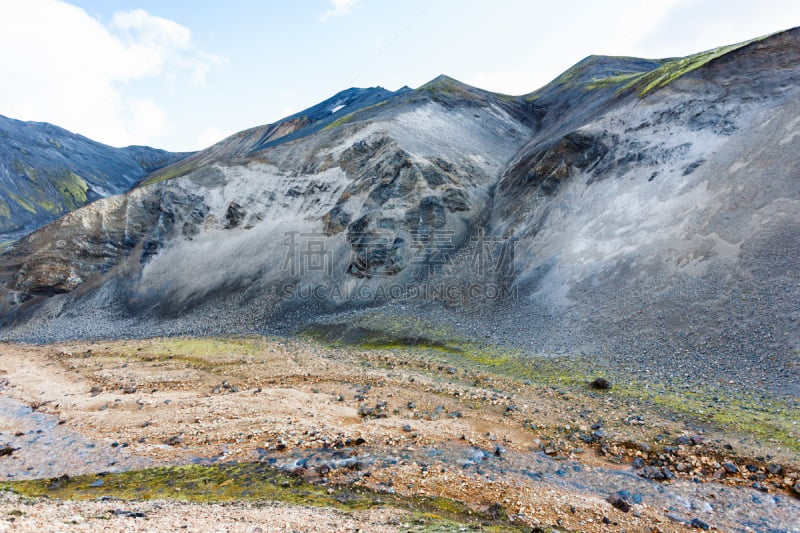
{"x":46,"y":171}
{"x":647,"y":211}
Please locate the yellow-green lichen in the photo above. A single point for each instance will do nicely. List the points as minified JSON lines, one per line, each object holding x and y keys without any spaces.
{"x":672,"y":70}
{"x":351,"y":116}
{"x":168,"y":173}
{"x":73,"y":190}
{"x":247,"y":482}
{"x":24,"y":204}
{"x":767,"y":419}
{"x":340,"y":121}
{"x":612,"y":81}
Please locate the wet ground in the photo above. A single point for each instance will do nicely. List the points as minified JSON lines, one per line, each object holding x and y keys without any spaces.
{"x":351,"y":422}
{"x":44,"y":448}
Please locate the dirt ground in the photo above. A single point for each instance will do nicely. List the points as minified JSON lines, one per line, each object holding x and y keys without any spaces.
{"x":170,"y":400}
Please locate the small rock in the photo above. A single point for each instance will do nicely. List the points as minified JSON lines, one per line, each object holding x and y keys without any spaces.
{"x":129,"y":390}
{"x":7,"y":450}
{"x":174,"y":440}
{"x":775,"y":469}
{"x":699,"y":524}
{"x":655,"y":473}
{"x":730,"y":468}
{"x":617,"y":501}
{"x":600,"y":384}
{"x":496,"y":511}
{"x":128,"y":514}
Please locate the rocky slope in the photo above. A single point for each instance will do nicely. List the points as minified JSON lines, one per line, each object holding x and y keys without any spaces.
{"x":643,"y":210}
{"x":46,"y":171}
{"x":306,"y":122}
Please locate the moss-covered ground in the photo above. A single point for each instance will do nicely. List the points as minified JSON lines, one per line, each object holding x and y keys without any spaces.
{"x":255,"y":482}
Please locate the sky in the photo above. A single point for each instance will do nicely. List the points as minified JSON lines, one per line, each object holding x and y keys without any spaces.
{"x":181,"y":75}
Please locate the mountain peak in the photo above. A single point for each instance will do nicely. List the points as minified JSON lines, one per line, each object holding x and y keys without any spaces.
{"x":443,"y":81}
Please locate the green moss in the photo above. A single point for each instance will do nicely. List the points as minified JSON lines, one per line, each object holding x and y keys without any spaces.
{"x":205,"y":346}
{"x":73,"y":190}
{"x":766,"y":419}
{"x":204,"y":353}
{"x":245,"y":482}
{"x":672,"y":70}
{"x":24,"y":204}
{"x":612,"y":81}
{"x":168,"y":173}
{"x":340,"y":121}
{"x":351,"y":116}
{"x":446,"y":86}
{"x":49,"y":206}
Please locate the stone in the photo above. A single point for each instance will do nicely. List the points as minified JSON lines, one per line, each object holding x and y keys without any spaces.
{"x":617,"y":501}
{"x":730,"y":468}
{"x":7,"y":450}
{"x":600,"y":384}
{"x":775,"y":469}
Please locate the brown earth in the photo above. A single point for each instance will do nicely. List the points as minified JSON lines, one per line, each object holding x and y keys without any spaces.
{"x":170,"y":400}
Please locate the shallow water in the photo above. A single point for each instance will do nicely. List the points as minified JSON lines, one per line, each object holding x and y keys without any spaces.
{"x":48,"y":449}
{"x":728,"y":508}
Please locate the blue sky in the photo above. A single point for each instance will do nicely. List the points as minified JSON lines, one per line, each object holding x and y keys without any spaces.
{"x":181,"y":75}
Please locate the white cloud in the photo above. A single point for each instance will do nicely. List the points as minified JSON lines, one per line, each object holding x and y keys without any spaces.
{"x":146,"y":119}
{"x":340,"y":7}
{"x":514,"y":82}
{"x":63,"y":66}
{"x":689,"y":27}
{"x":212,"y":135}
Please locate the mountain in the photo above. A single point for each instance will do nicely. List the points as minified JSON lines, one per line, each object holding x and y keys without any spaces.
{"x":647,"y":211}
{"x":336,"y":108}
{"x":46,"y":171}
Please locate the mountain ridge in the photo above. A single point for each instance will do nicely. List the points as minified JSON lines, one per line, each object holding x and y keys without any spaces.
{"x":635,"y":219}
{"x":47,"y":171}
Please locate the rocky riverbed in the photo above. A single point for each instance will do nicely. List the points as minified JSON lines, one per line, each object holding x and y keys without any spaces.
{"x":245,"y":433}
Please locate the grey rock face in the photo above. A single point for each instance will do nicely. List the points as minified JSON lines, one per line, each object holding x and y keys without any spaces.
{"x":46,"y":171}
